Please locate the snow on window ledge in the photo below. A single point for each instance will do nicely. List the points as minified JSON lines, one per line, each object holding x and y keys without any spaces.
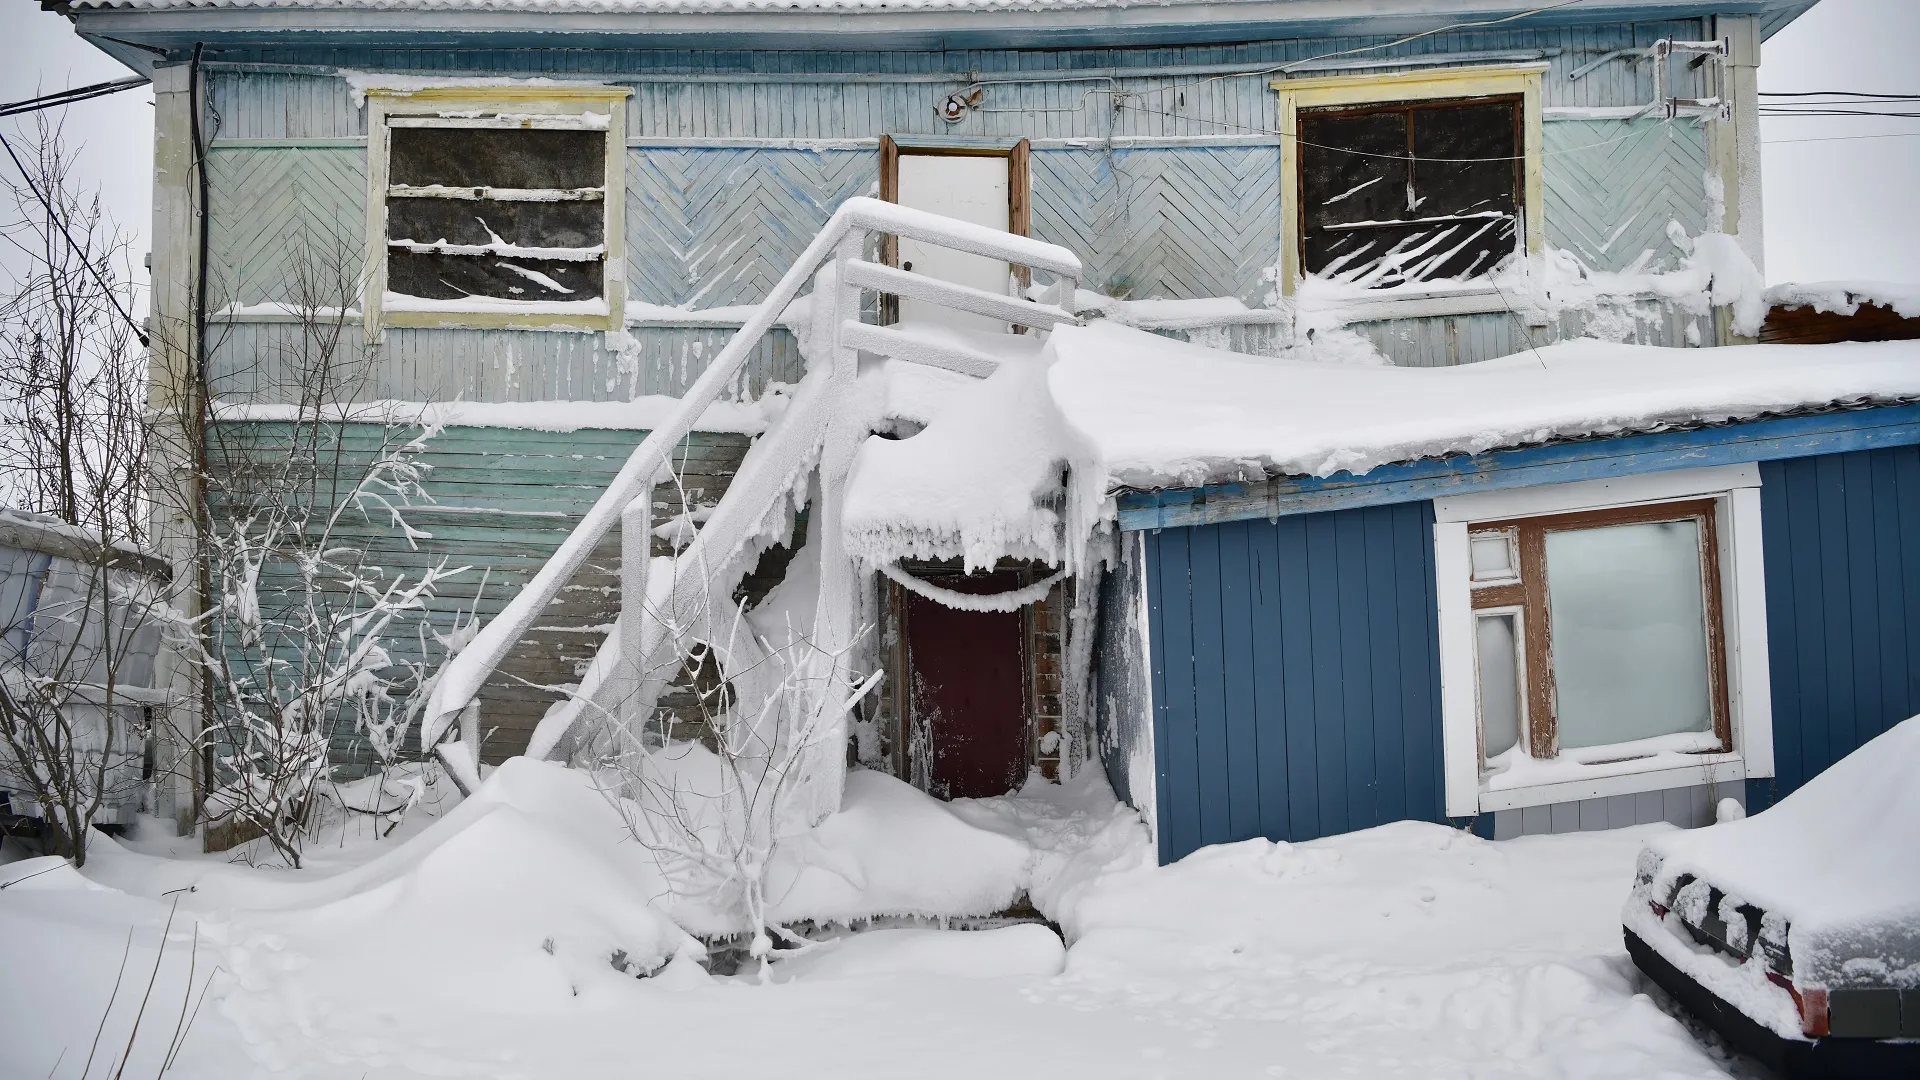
{"x":1325,"y":302}
{"x":595,"y":308}
{"x":1656,"y":773}
{"x":1515,"y":779}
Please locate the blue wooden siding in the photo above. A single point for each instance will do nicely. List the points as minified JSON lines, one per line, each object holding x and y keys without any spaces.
{"x":1295,"y":676}
{"x":1842,"y":536}
{"x":1295,"y":670}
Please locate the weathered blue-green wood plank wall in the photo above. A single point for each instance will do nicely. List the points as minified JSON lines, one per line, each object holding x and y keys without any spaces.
{"x":501,"y":502}
{"x":735,"y":158}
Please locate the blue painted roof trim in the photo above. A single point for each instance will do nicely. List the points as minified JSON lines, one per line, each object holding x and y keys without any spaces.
{"x":1588,"y":459}
{"x":116,"y":30}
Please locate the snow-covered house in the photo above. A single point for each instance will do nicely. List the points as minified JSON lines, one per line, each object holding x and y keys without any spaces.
{"x":582,"y":226}
{"x":1585,"y":586}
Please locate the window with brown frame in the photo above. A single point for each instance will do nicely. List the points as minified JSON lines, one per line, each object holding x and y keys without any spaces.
{"x":1599,"y":634}
{"x":1410,"y":191}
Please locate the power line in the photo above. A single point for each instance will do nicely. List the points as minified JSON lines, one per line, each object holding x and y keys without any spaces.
{"x":1840,"y":93}
{"x":54,"y":217}
{"x":68,"y":97}
{"x":1846,"y":138}
{"x":1838,"y":112}
{"x":1839,"y":103}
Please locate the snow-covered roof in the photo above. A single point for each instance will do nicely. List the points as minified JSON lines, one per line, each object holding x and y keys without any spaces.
{"x":1846,"y":297}
{"x":1104,"y":407}
{"x":1165,"y":414}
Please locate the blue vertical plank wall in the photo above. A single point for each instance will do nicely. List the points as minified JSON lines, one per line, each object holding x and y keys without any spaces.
{"x":1295,"y":676}
{"x":1842,"y":538}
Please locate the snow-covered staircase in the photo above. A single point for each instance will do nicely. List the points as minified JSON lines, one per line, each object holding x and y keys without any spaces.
{"x":689,"y":596}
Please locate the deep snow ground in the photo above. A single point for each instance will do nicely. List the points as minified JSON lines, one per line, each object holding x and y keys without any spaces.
{"x":476,"y":944}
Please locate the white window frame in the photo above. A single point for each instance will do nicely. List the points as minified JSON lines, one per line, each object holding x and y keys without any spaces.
{"x":1413,"y":301}
{"x":531,"y":104}
{"x":1744,"y":615}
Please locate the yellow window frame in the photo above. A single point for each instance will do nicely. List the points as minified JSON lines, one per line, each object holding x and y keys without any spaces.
{"x":558,"y":100}
{"x":1523,"y":80}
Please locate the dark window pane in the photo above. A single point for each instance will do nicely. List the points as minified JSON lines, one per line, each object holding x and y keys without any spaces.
{"x":1353,"y":167}
{"x":484,"y":157}
{"x":450,"y":277}
{"x":477,"y":221}
{"x":1448,"y":185}
{"x":1378,"y":222}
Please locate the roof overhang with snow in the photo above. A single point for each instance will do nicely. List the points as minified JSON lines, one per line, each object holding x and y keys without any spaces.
{"x":143,"y":31}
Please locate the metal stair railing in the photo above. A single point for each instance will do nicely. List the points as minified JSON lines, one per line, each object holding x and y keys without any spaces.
{"x":812,"y":425}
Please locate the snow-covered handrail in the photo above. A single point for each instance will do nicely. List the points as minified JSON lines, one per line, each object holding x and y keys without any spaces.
{"x":463,"y":676}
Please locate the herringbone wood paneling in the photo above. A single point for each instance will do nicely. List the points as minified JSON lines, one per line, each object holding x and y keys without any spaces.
{"x":1174,"y":224}
{"x":717,"y":227}
{"x":284,"y":216}
{"x":1608,"y":198}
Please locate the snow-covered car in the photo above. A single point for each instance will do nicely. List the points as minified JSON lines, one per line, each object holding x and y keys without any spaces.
{"x":1795,"y":933}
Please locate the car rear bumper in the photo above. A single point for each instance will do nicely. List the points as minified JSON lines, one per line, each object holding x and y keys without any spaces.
{"x":1815,"y":1059}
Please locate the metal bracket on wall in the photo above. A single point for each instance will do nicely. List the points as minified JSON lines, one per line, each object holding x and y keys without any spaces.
{"x":1660,"y":52}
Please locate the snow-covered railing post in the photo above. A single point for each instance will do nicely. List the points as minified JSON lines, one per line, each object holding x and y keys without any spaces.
{"x":636,"y":555}
{"x":836,"y":301}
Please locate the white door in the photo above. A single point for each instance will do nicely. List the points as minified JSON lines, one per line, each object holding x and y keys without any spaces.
{"x":971,"y":188}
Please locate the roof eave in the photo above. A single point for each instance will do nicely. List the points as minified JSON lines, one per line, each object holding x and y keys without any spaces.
{"x":124,"y":31}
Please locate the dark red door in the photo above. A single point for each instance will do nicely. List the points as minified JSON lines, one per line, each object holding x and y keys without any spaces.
{"x":968,"y":693}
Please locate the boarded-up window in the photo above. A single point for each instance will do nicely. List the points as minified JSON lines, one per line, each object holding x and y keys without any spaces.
{"x":1408,"y":192}
{"x":496,"y":213}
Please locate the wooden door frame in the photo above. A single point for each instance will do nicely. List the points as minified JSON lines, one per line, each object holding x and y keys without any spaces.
{"x":1019,"y":155}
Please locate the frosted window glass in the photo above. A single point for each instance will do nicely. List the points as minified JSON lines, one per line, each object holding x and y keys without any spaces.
{"x":1499,"y":683}
{"x":1629,"y":632}
{"x":1492,"y":557}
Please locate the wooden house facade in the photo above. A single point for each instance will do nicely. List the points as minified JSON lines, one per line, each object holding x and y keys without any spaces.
{"x":1192,"y":152}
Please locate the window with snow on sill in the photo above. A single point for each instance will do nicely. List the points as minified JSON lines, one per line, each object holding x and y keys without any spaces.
{"x":496,"y":219}
{"x":1596,"y":641}
{"x":1601,"y":638}
{"x":1401,"y":193}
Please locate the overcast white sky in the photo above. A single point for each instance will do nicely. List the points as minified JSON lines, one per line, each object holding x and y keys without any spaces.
{"x":1844,"y":206}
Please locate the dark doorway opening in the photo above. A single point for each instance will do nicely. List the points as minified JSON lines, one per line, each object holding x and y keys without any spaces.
{"x":967,"y":692}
